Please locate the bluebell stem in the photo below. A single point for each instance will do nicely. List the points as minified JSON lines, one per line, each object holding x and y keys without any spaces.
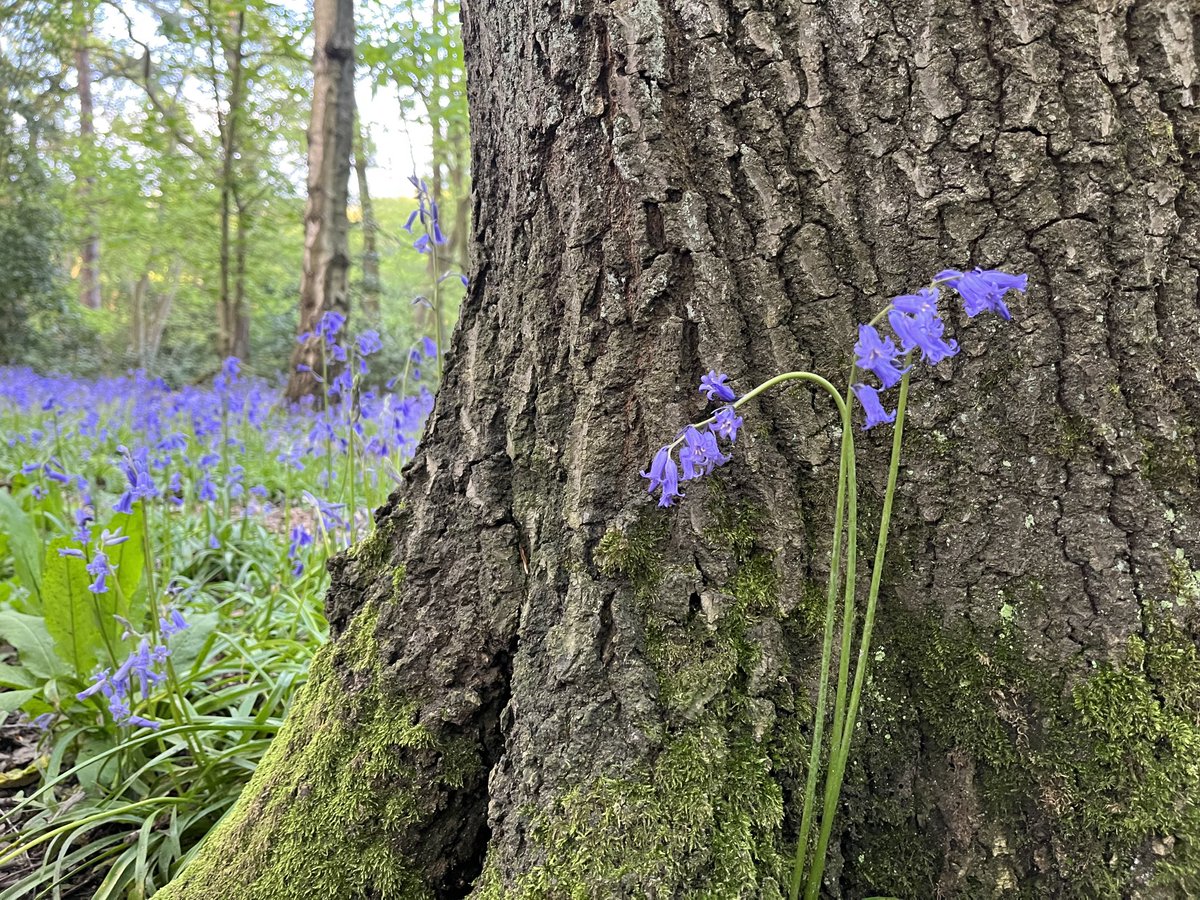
{"x":915,"y":321}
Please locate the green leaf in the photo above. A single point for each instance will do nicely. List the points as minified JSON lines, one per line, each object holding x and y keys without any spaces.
{"x":11,"y":701}
{"x":129,"y":559}
{"x":80,"y":622}
{"x":189,"y":644}
{"x":34,"y":645}
{"x":23,"y":543}
{"x":16,"y":677}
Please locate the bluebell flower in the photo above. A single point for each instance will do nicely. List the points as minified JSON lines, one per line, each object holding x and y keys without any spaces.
{"x":713,"y":384}
{"x":664,"y":475}
{"x":923,"y":331}
{"x":700,"y":453}
{"x":55,"y":475}
{"x":99,"y":568}
{"x":924,"y":300}
{"x":82,"y":532}
{"x":869,"y":398}
{"x":228,"y":376}
{"x":300,"y":538}
{"x":727,"y":423}
{"x":171,"y":622}
{"x":369,"y":342}
{"x":877,"y":355}
{"x":984,"y":289}
{"x":428,"y":347}
{"x":206,"y":490}
{"x":330,"y":324}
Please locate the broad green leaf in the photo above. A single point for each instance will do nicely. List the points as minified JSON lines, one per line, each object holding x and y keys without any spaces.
{"x":16,"y":677}
{"x":90,"y":770}
{"x":80,"y":622}
{"x":35,"y":647}
{"x":23,"y":543}
{"x":129,"y":559}
{"x":187,"y":645}
{"x":11,"y":701}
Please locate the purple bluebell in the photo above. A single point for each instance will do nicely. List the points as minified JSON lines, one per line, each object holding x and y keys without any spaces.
{"x":922,"y":331}
{"x":99,"y":568}
{"x":869,"y":398}
{"x":171,"y":622}
{"x":300,"y":538}
{"x":984,"y":289}
{"x":330,"y":324}
{"x":713,"y":384}
{"x":428,"y":347}
{"x":877,"y":355}
{"x":727,"y":423}
{"x":924,"y":300}
{"x":664,"y":476}
{"x":55,"y":475}
{"x":206,"y":490}
{"x":228,"y":376}
{"x":369,"y":342}
{"x":700,"y":453}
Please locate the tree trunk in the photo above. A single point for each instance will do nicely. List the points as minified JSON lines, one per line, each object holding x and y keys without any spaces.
{"x":324,"y":283}
{"x":541,"y":685}
{"x":232,"y":321}
{"x":372,"y":287}
{"x":89,"y":268}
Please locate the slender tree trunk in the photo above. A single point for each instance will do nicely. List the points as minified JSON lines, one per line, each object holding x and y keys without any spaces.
{"x":541,"y":685}
{"x":372,"y":287}
{"x":89,"y":269}
{"x":162,"y":312}
{"x":324,"y":283}
{"x":232,"y":321}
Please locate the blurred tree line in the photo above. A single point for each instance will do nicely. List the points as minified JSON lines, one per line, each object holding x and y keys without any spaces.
{"x":153,"y":162}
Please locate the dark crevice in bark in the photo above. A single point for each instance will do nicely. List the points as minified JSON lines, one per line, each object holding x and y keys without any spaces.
{"x":470,"y":855}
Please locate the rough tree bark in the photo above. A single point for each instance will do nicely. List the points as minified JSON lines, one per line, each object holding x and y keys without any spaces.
{"x":543,"y":686}
{"x":325,"y":281}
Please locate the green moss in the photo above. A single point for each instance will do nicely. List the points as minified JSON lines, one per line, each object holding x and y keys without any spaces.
{"x":1089,"y":771}
{"x":633,"y":553}
{"x":336,"y":796}
{"x":704,"y":817}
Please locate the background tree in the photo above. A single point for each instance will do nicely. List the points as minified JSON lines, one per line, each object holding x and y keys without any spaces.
{"x":89,"y":269}
{"x":372,"y":286}
{"x":324,"y":282}
{"x":543,"y":686}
